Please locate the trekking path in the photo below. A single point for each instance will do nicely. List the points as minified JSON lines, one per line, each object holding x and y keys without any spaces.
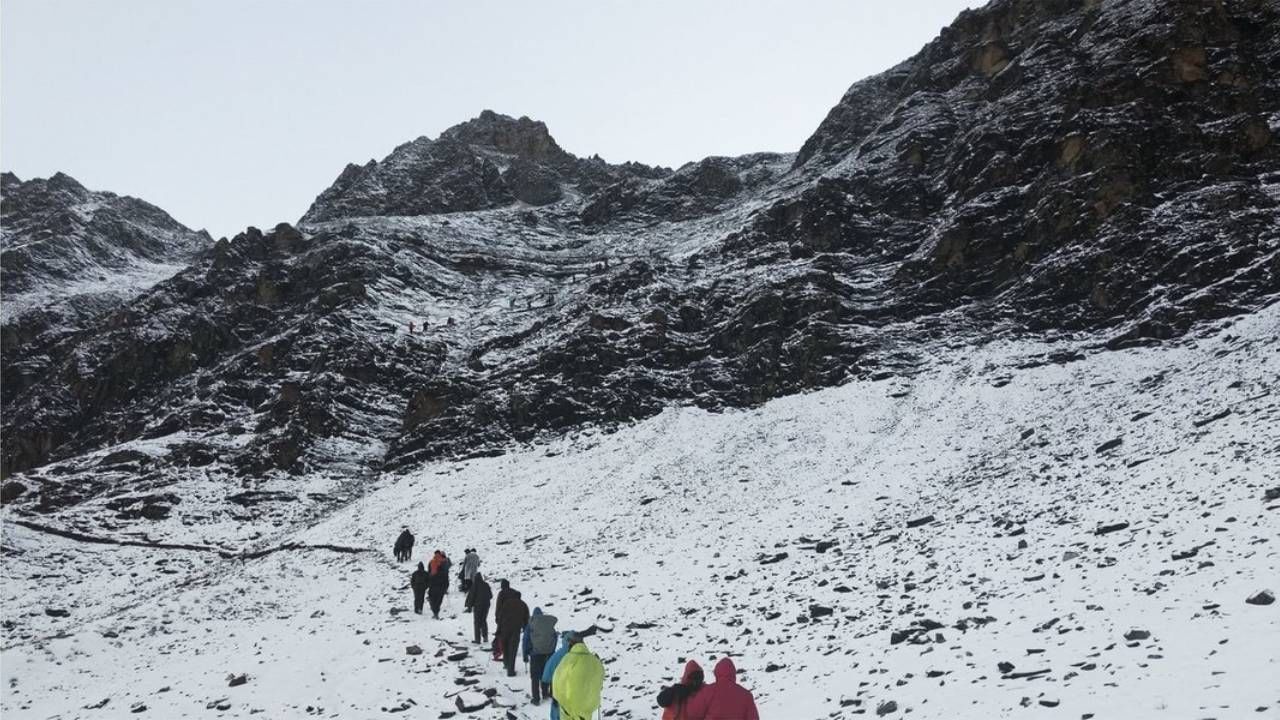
{"x":1000,"y":536}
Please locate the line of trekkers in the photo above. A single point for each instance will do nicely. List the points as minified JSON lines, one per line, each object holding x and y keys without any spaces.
{"x":571,"y":676}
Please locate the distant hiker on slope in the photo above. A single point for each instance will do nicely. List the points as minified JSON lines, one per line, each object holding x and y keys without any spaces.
{"x":513,"y":615}
{"x":674,"y":699}
{"x":538,"y":646}
{"x":418,"y":581}
{"x":567,"y":639}
{"x":478,"y":599}
{"x":470,"y":566}
{"x":404,"y":545}
{"x":724,"y":699}
{"x":438,"y":582}
{"x":577,"y":682}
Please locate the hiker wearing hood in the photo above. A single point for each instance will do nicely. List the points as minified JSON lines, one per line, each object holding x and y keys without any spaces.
{"x":567,"y":639}
{"x":513,"y":615}
{"x":438,"y":582}
{"x":470,"y":566}
{"x":724,"y":699}
{"x":577,"y":682}
{"x":538,"y":646}
{"x":404,"y":545}
{"x":504,"y":592}
{"x":478,"y":599}
{"x":674,"y":698}
{"x":418,"y":581}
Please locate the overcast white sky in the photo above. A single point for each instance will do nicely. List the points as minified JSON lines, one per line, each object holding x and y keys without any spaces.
{"x":229,"y":113}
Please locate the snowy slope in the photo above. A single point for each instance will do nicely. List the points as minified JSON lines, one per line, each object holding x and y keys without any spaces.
{"x":670,"y":533}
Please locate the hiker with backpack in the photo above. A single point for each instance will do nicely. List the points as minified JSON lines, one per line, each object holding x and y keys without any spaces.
{"x":478,"y":599}
{"x":438,"y":582}
{"x":404,"y":545}
{"x":418,"y":581}
{"x":723,"y":699}
{"x":674,"y":699}
{"x":567,"y":639}
{"x":512,"y":615}
{"x":577,"y":682}
{"x":538,"y":647}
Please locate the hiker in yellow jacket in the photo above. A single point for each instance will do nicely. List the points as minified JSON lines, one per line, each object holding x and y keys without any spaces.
{"x":577,"y":683}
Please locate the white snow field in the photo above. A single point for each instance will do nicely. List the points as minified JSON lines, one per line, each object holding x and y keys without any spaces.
{"x":1071,"y":505}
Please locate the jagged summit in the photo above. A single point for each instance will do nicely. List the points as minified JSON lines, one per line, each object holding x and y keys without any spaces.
{"x":488,"y":162}
{"x":1103,"y":175}
{"x":68,"y":255}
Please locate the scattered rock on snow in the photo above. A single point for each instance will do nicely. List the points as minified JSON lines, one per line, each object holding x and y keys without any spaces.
{"x":920,"y":521}
{"x":817,"y":611}
{"x":413,"y":650}
{"x":1114,"y":527}
{"x":1265,"y":597}
{"x":1110,"y":445}
{"x":234,"y":680}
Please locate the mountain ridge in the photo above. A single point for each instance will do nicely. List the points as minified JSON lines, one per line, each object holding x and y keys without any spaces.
{"x":987,"y":191}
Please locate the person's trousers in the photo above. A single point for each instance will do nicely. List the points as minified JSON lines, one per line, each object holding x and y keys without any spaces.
{"x":480,"y":619}
{"x":537,"y":663}
{"x":417,"y":601}
{"x":510,"y":647}
{"x":435,"y":599}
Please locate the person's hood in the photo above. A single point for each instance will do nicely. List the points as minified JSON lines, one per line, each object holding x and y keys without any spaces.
{"x":420,"y":566}
{"x":566,"y":638}
{"x":515,"y":594}
{"x":579,"y":649}
{"x":726,"y":671}
{"x":537,"y":611}
{"x":690,"y":668}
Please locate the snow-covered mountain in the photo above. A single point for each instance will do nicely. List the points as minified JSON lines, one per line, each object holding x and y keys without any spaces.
{"x":1098,"y":525}
{"x":68,"y":255}
{"x":1023,"y":281}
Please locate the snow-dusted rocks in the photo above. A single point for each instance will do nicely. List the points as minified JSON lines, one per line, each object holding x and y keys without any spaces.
{"x":965,"y":410}
{"x":680,"y":577}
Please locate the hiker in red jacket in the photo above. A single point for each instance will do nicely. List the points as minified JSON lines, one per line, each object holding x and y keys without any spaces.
{"x":724,"y":699}
{"x":674,"y":699}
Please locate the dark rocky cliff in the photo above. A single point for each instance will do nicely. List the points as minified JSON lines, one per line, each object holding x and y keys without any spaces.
{"x":1100,"y":173}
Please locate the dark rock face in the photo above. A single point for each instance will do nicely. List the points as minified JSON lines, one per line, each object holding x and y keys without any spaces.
{"x":489,"y":162}
{"x":55,"y":230}
{"x":69,"y":255}
{"x":1040,"y":168}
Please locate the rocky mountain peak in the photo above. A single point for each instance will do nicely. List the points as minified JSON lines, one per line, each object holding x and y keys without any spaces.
{"x":488,"y":162}
{"x":522,"y":137}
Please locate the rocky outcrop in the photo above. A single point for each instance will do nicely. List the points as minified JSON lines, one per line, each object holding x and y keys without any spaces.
{"x":69,"y":255}
{"x":488,"y":162}
{"x":1101,"y":172}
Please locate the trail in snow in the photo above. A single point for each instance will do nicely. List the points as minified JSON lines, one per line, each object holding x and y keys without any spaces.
{"x":978,"y":541}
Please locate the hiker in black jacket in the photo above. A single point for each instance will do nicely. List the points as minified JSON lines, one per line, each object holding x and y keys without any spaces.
{"x":404,"y":545}
{"x":478,"y":599}
{"x":418,"y":581}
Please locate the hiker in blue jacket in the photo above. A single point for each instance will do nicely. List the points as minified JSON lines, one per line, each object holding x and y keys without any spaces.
{"x":567,"y":639}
